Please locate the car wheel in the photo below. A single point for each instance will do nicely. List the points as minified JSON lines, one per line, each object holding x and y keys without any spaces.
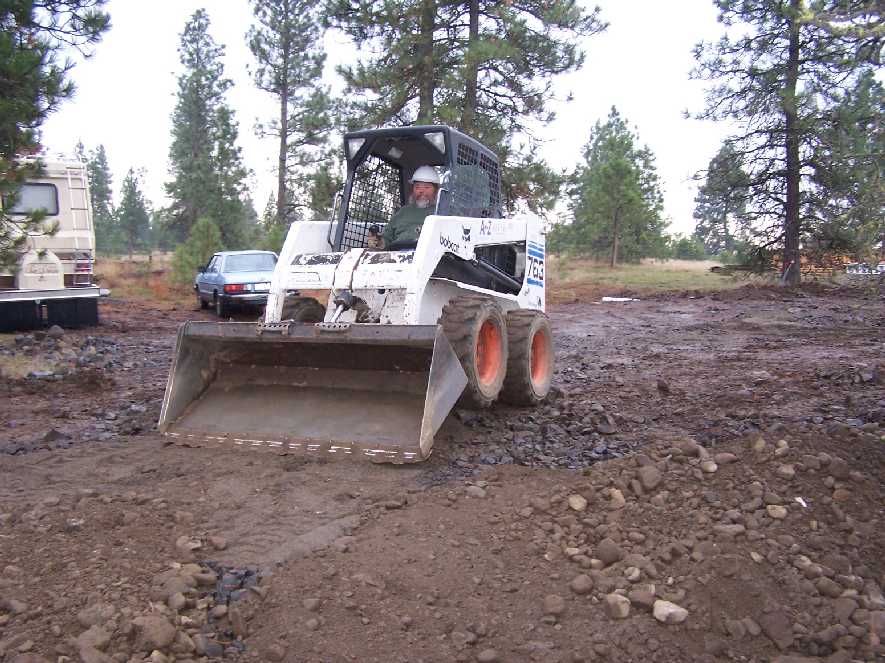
{"x":221,"y":307}
{"x":201,"y":303}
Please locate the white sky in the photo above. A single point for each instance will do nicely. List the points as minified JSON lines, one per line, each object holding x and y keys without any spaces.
{"x":126,"y":92}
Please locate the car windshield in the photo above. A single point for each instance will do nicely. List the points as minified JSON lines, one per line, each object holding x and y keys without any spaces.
{"x":250,"y":262}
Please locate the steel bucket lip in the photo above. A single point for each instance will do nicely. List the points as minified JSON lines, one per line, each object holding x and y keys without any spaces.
{"x":300,"y":332}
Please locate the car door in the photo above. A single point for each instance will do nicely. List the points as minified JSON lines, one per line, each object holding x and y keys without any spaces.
{"x":208,"y":278}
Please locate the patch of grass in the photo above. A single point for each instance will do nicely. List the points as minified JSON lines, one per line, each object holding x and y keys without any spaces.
{"x":18,"y":366}
{"x":573,"y":279}
{"x":144,"y":278}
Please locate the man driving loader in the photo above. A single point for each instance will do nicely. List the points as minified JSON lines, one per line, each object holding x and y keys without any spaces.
{"x":405,"y":226}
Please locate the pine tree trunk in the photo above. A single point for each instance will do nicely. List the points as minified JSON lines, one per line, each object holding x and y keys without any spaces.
{"x":616,"y":229}
{"x":468,"y":117}
{"x":426,"y":67}
{"x":284,"y":128}
{"x":791,"y":266}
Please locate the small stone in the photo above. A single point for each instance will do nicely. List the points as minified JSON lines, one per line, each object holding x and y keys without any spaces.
{"x":708,"y":466}
{"x":617,"y":500}
{"x":729,"y":531}
{"x":153,"y":632}
{"x":238,"y":623}
{"x":649,"y":477}
{"x":609,"y":552}
{"x":582,"y":584}
{"x":777,"y":627}
{"x":554,"y":605}
{"x":841,"y":495}
{"x":488,"y":656}
{"x":311,"y":605}
{"x":725,"y":458}
{"x":669,"y":613}
{"x":176,"y":601}
{"x":617,"y":606}
{"x":218,"y":542}
{"x":644,"y":598}
{"x":55,"y":332}
{"x":475,"y":492}
{"x":786,"y":471}
{"x":577,"y":502}
{"x":828,"y":587}
{"x":312,"y":624}
{"x":776,"y":511}
{"x":96,"y":637}
{"x":275,"y":653}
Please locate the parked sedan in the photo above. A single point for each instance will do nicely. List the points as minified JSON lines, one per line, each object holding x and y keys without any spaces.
{"x":235,"y":278}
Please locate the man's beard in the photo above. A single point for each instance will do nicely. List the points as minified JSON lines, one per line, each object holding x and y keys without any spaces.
{"x":422,"y":203}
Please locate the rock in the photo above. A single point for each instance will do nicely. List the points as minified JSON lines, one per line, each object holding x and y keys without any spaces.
{"x":776,"y":511}
{"x":577,"y":502}
{"x":582,"y":584}
{"x":617,"y":500}
{"x":205,"y":646}
{"x":669,"y":613}
{"x":153,"y":632}
{"x":554,"y":605}
{"x":725,"y":458}
{"x":828,"y":587}
{"x":617,"y":606}
{"x":275,"y":653}
{"x":55,"y":332}
{"x":843,"y":608}
{"x":778,"y":628}
{"x":708,"y":466}
{"x":609,"y":552}
{"x":176,"y":601}
{"x":313,"y":624}
{"x":729,"y":531}
{"x":475,"y":492}
{"x":786,"y":471}
{"x":30,"y":658}
{"x":642,"y":598}
{"x":96,"y":638}
{"x":311,"y":605}
{"x":96,"y":614}
{"x":488,"y":656}
{"x":649,"y":477}
{"x":218,"y":542}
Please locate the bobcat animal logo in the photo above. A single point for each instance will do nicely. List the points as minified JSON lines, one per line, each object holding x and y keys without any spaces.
{"x":465,"y":233}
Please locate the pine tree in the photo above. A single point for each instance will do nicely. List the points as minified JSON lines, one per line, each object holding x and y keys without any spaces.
{"x":133,"y":217}
{"x":107,"y":235}
{"x":286,"y":42}
{"x":721,"y":203}
{"x":204,"y":240}
{"x":773,"y":74}
{"x":849,"y":173}
{"x":33,"y":83}
{"x":205,"y":163}
{"x":482,"y":66}
{"x":616,"y":199}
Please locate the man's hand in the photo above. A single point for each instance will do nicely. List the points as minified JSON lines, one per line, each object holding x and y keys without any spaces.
{"x":374,"y":241}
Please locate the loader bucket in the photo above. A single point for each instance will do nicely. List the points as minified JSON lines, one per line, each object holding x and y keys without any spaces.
{"x":381,"y":391}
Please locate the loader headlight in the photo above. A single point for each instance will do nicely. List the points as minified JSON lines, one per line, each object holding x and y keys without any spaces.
{"x":438,"y":140}
{"x":354,"y":145}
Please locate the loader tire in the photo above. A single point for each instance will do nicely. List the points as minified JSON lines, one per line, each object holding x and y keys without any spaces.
{"x":305,"y":309}
{"x":530,"y":364}
{"x":476,"y":328}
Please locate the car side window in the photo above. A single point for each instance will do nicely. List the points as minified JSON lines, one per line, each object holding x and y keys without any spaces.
{"x":213,"y":265}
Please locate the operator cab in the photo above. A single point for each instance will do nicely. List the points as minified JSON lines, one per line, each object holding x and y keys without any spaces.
{"x":380,"y":165}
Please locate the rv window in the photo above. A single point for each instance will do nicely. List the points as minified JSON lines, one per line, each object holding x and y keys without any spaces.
{"x":33,"y":197}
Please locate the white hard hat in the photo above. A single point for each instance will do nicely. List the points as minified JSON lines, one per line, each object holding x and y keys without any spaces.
{"x":426,"y":174}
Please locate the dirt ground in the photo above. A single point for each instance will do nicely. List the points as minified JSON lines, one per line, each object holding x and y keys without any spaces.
{"x":705,"y":483}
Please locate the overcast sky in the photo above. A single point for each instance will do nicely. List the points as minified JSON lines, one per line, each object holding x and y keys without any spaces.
{"x":126,"y":92}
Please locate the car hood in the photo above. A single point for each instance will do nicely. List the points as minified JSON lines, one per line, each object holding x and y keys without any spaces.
{"x":247,"y":277}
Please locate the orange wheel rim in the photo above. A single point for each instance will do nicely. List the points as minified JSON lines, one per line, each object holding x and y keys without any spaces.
{"x":489,"y":353}
{"x":540,"y":358}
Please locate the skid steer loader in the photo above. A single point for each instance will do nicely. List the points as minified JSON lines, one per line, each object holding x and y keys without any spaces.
{"x":365,"y":351}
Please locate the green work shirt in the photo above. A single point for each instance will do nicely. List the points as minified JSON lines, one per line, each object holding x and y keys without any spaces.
{"x":405,"y":226}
